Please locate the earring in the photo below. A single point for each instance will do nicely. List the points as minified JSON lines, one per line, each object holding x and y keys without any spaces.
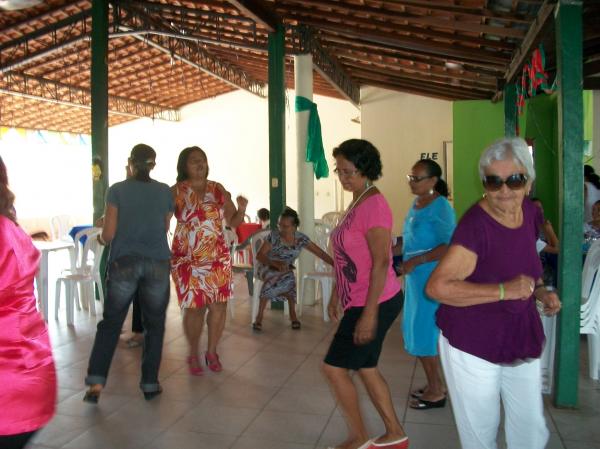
{"x":431,"y":191}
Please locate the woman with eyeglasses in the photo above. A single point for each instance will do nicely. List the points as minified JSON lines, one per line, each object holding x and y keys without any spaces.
{"x":427,"y":230}
{"x":367,"y":290}
{"x":488,"y":283}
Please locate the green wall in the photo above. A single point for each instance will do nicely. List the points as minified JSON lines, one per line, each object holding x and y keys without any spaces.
{"x":541,"y":126}
{"x":476,"y":124}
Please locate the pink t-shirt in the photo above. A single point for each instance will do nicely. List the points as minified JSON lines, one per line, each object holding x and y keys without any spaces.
{"x":352,"y":258}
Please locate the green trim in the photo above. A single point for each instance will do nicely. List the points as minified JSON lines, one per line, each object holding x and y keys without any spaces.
{"x":510,"y":110}
{"x":99,"y":100}
{"x":569,"y":53}
{"x":276,"y":124}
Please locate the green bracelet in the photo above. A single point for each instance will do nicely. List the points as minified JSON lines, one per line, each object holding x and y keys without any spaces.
{"x":501,"y":285}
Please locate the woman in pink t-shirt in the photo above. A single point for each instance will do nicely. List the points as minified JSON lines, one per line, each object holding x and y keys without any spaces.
{"x":27,"y":375}
{"x":368,"y":292}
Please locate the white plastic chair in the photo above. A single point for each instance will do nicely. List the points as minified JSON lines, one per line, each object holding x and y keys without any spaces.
{"x":256,"y":242}
{"x":323,"y":274}
{"x":590,"y":308}
{"x":331,"y":219}
{"x":84,"y":275}
{"x":589,"y":321}
{"x":60,"y":227}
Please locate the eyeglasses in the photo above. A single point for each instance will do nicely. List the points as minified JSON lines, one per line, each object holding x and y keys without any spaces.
{"x":515,"y":181}
{"x":340,"y":172}
{"x":414,"y":178}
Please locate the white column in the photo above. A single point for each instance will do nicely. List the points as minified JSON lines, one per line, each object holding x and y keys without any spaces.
{"x":303,"y":83}
{"x":596,"y":132}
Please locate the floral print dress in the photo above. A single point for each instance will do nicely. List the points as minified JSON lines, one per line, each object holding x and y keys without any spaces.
{"x":277,"y":285}
{"x":200,"y":261}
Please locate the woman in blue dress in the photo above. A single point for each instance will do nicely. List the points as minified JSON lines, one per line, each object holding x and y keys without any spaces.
{"x":428,"y":228}
{"x":276,"y":259}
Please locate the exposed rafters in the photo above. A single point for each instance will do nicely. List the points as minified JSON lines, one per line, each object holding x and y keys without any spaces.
{"x":257,"y":12}
{"x":305,"y":42}
{"x":41,"y":89}
{"x":175,"y":52}
{"x":190,"y":53}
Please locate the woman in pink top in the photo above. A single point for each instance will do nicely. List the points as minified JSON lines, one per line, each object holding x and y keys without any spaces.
{"x":27,"y":375}
{"x":369,"y":293}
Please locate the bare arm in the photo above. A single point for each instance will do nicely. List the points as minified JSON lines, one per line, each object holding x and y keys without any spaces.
{"x":111,"y":213}
{"x":233,"y":216}
{"x":317,"y":251}
{"x":429,"y":256}
{"x":551,"y":237}
{"x":447,"y":282}
{"x":263,"y":257}
{"x":378,"y":240}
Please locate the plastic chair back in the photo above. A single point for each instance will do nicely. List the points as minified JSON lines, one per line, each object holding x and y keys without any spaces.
{"x":322,"y":232}
{"x":331,"y":219}
{"x":59,"y":227}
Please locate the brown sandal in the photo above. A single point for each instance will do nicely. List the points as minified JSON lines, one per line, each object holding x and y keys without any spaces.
{"x":296,"y":325}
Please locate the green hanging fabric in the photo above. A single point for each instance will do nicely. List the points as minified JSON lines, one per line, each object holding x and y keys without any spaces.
{"x":315,"y":152}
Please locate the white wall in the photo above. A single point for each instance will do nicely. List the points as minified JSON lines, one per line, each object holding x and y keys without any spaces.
{"x":50,"y":174}
{"x":402,"y":126}
{"x":233,"y":130}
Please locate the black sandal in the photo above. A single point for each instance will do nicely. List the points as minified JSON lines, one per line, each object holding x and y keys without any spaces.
{"x":257,"y":327}
{"x":296,"y":325}
{"x":422,"y":404}
{"x":91,"y":397}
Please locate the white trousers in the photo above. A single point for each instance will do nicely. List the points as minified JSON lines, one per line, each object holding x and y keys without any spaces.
{"x":476,"y":387}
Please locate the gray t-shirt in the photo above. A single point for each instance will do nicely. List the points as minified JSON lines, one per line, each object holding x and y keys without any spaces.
{"x":142,"y":208}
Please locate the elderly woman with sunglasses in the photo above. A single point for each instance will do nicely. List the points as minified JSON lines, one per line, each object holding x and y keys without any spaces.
{"x":488,"y":283}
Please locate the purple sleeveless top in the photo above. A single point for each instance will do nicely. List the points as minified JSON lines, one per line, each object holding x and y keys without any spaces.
{"x":503,"y":331}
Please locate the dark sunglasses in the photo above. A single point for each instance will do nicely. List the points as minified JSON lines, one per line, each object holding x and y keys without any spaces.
{"x":414,"y":178}
{"x":515,"y":181}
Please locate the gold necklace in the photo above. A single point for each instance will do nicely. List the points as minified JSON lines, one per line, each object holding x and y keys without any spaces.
{"x":355,"y":202}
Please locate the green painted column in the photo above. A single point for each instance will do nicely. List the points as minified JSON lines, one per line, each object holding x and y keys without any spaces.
{"x":510,"y":110}
{"x":276,"y":128}
{"x":99,"y":87}
{"x":276,"y":123}
{"x":569,"y":42}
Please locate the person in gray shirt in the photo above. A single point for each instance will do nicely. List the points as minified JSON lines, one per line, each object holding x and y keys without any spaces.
{"x":136,"y":220}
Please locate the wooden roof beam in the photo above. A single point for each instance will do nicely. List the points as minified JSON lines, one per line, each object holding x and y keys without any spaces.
{"x":532,"y":39}
{"x":255,"y":11}
{"x":455,"y":25}
{"x":335,"y":45}
{"x":447,"y":51}
{"x":312,"y":17}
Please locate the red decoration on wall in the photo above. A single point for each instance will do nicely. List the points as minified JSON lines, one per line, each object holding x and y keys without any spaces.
{"x":533,"y":76}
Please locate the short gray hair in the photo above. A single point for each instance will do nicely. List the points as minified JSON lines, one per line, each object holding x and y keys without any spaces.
{"x":504,"y":149}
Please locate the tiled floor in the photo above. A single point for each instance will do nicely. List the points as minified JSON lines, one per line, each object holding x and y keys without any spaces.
{"x":270,"y":395}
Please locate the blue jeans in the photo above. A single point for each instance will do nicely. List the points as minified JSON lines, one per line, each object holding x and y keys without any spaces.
{"x":126,"y":275}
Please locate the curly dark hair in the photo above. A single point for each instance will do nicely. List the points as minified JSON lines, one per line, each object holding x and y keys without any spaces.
{"x":288,"y":212}
{"x":182,"y":161}
{"x":363,"y":155}
{"x":434,"y":169}
{"x":7,"y":198}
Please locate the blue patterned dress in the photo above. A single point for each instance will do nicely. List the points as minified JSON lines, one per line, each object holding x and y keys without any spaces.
{"x":277,"y":285}
{"x":424,"y":229}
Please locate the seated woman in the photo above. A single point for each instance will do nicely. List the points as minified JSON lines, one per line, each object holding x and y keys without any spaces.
{"x":276,"y":257}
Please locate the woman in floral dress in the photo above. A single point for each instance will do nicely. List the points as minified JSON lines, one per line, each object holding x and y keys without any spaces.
{"x":201,"y":262}
{"x":276,"y":257}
